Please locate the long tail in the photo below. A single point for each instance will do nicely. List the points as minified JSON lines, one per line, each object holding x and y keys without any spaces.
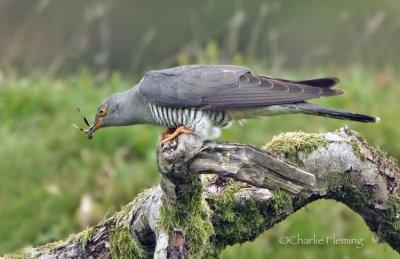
{"x":317,"y":110}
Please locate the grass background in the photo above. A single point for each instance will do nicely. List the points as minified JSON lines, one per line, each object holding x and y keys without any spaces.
{"x":54,"y":182}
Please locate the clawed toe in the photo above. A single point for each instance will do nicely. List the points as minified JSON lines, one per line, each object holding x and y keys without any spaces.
{"x":171,"y":134}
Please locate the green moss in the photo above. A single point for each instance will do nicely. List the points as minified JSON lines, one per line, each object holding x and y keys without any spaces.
{"x":394,"y":206}
{"x":18,"y":255}
{"x":123,"y":214}
{"x":393,"y":212}
{"x":336,"y":180}
{"x":356,"y":149}
{"x":240,"y":223}
{"x":283,"y":201}
{"x":352,"y":196}
{"x":87,"y":235}
{"x":191,"y":215}
{"x":47,"y":248}
{"x":390,"y":227}
{"x":293,"y":143}
{"x":122,"y":245}
{"x":389,"y":161}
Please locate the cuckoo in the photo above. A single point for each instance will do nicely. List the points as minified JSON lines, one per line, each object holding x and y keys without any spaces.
{"x":202,"y":99}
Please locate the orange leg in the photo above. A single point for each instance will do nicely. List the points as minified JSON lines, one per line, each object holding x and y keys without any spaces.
{"x":171,"y":134}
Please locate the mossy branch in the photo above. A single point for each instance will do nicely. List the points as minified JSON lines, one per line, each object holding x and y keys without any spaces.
{"x":212,"y":195}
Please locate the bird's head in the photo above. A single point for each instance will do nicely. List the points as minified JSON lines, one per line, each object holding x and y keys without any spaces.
{"x":111,"y":112}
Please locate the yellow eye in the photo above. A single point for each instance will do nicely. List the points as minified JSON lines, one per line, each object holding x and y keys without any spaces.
{"x":102,"y":111}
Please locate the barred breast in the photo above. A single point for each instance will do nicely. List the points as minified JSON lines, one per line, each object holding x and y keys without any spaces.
{"x":204,"y":123}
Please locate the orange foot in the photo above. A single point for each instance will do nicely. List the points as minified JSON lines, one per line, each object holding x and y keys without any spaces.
{"x":172,"y":133}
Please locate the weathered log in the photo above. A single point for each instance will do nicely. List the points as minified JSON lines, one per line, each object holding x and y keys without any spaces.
{"x":193,"y":215}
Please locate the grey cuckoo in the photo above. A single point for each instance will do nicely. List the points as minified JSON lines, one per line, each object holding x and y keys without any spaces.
{"x":203,"y":99}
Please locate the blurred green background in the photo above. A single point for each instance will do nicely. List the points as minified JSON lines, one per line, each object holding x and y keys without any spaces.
{"x":57,"y":55}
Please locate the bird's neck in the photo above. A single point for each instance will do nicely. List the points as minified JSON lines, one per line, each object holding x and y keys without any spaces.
{"x":136,"y":111}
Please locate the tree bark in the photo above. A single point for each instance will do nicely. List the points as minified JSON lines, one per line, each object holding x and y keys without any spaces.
{"x":216,"y":194}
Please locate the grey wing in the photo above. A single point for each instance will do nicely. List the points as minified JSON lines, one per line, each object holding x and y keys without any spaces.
{"x":226,"y":87}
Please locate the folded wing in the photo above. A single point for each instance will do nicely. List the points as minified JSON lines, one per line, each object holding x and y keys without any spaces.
{"x":227,"y":87}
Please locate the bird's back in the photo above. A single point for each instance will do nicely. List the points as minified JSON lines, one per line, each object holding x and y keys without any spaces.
{"x":221,"y":87}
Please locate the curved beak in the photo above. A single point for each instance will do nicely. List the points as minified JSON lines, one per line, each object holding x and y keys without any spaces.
{"x":95,"y":126}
